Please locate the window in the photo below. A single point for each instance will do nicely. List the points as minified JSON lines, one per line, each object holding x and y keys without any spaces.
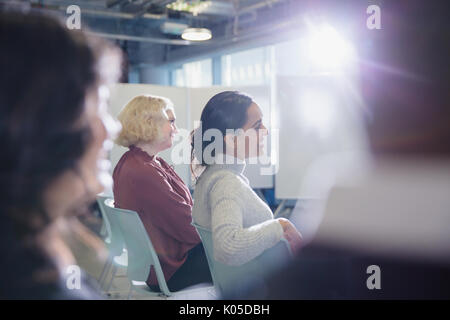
{"x":133,"y":76}
{"x":177,"y":76}
{"x":193,"y":74}
{"x":250,"y":67}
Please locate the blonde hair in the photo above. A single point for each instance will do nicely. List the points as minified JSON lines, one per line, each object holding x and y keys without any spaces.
{"x":141,"y":119}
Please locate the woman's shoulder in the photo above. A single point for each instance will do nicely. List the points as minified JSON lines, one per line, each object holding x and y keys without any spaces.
{"x":166,"y":166}
{"x":222,"y":180}
{"x":132,"y":164}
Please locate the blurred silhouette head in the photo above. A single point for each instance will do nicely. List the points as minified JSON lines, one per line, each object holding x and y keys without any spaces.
{"x":405,"y":77}
{"x":52,"y":117}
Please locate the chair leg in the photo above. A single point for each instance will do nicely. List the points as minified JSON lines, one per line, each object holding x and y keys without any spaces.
{"x":131,"y":290}
{"x":105,"y":270}
{"x":112,"y":278}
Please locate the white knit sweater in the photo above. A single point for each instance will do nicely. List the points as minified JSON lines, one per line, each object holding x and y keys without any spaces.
{"x":242,"y":224}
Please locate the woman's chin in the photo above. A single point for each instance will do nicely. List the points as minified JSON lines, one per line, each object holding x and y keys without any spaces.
{"x":169,"y":144}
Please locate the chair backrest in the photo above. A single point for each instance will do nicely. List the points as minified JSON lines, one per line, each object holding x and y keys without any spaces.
{"x":232,"y":280}
{"x":117,"y":243}
{"x":141,"y":253}
{"x":106,"y":224}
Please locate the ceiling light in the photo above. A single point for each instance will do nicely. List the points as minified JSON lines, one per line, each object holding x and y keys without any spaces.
{"x":196,"y":34}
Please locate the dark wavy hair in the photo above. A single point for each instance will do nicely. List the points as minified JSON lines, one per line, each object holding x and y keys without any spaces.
{"x":225,"y":110}
{"x":46,"y":73}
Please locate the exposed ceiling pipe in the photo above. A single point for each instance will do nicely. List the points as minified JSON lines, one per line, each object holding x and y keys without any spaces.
{"x":248,"y":10}
{"x":145,"y":5}
{"x":103,"y":13}
{"x":226,"y":40}
{"x":109,"y":13}
{"x":123,"y":15}
{"x":112,"y":3}
{"x":144,"y":39}
{"x":162,"y":2}
{"x":257,"y":6}
{"x":236,"y":17}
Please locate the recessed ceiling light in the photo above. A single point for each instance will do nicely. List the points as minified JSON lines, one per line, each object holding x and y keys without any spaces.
{"x":196,"y":34}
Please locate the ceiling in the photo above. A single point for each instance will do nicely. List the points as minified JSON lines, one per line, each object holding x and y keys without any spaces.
{"x":149,"y":30}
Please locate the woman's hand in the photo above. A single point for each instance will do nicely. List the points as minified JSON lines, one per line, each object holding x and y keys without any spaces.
{"x":291,"y":234}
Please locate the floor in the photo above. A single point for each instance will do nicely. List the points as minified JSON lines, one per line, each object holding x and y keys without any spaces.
{"x":91,"y":256}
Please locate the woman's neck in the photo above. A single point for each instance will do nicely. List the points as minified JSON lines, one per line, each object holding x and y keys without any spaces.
{"x":149,"y":148}
{"x":234,"y":154}
{"x":229,"y":158}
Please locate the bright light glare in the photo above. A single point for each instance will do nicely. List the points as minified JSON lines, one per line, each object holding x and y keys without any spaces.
{"x":317,"y":113}
{"x":327,"y":50}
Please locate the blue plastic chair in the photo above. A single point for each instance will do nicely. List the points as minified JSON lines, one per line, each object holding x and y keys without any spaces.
{"x":106,"y":228}
{"x":117,"y":256}
{"x":232,"y":280}
{"x":141,"y":253}
{"x":106,"y":233}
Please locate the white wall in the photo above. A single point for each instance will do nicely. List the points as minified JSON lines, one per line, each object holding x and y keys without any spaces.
{"x":189,"y":103}
{"x":321,"y":135}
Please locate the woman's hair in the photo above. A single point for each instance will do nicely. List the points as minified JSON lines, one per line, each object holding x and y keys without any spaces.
{"x":141,"y":119}
{"x":224,"y":111}
{"x":47,"y":71}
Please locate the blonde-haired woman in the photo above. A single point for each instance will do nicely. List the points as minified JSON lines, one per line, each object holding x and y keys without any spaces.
{"x":145,"y":183}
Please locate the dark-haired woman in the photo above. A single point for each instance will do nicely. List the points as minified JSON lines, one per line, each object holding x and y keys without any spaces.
{"x":53,"y":125}
{"x":242,"y":225}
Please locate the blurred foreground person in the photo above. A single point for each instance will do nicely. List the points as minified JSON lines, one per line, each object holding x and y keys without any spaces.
{"x":53,"y":125}
{"x":388,"y":236}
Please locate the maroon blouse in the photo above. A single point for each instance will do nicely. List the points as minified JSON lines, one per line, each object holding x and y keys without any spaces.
{"x":163,"y":203}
